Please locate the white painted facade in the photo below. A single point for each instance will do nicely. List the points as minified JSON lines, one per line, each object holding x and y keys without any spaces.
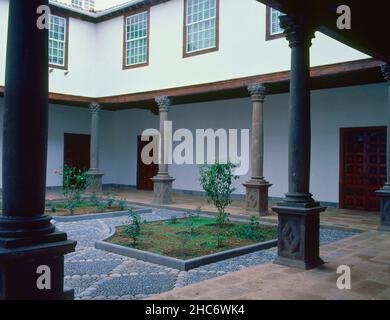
{"x":95,"y":70}
{"x":95,"y":52}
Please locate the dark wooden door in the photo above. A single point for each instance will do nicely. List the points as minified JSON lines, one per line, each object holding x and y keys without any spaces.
{"x":77,"y":150}
{"x":145,"y":172}
{"x":362,"y":167}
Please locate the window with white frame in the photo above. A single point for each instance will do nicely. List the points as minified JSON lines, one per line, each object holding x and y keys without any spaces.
{"x":275,"y":24}
{"x":57,"y":41}
{"x":201,"y":25}
{"x":77,"y":3}
{"x":137,"y":39}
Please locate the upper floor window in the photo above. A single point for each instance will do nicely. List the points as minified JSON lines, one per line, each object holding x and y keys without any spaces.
{"x":58,"y":34}
{"x":88,"y":5}
{"x":77,"y":3}
{"x":201,"y":26}
{"x":136,"y":46}
{"x":273,"y":26}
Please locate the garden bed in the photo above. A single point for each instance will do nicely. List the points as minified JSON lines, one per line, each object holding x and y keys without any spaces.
{"x":81,"y":208}
{"x":169,"y":244}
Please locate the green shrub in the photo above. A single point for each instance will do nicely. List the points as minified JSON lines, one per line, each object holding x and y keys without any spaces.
{"x":75,"y":181}
{"x":110,"y":199}
{"x":216,"y":180}
{"x":122,"y":205}
{"x":133,"y":230}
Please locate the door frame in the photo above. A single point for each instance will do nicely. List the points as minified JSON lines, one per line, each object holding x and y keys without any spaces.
{"x":343,"y":132}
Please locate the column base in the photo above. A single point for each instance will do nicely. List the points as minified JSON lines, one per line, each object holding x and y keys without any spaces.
{"x":384,"y":195}
{"x":162,"y":190}
{"x":96,"y":185}
{"x":19,"y":263}
{"x":256,"y":199}
{"x":299,"y":235}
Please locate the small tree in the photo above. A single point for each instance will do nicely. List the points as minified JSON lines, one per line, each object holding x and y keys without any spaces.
{"x":76,"y":181}
{"x":133,"y":230}
{"x":216,"y":180}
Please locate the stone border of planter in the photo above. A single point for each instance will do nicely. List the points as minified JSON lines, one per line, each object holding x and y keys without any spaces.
{"x":182,"y":265}
{"x":107,"y":215}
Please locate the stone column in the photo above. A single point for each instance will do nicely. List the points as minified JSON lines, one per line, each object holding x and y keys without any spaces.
{"x":384,"y":193}
{"x":299,"y":220}
{"x":256,"y":200}
{"x":28,"y":239}
{"x":163,"y":181}
{"x":94,"y":172}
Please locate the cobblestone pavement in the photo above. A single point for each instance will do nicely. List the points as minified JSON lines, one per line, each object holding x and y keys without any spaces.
{"x":96,"y":274}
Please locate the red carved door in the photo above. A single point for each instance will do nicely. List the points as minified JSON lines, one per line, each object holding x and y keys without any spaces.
{"x":362,"y":167}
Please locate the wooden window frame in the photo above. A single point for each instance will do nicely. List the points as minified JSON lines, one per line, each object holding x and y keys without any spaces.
{"x":124,"y":60}
{"x":66,"y":50}
{"x":204,"y":51}
{"x":268,"y":35}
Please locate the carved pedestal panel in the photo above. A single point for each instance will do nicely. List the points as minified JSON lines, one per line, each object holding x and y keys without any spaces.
{"x":299,"y":237}
{"x":256,"y":199}
{"x":384,"y":195}
{"x":96,"y":183}
{"x":162,"y":190}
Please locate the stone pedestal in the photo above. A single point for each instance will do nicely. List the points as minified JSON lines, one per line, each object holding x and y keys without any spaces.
{"x":256,"y":200}
{"x":162,"y":190}
{"x":384,"y":195}
{"x":96,"y":185}
{"x":299,"y":236}
{"x":20,"y":260}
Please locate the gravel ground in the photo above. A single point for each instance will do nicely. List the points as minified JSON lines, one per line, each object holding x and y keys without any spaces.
{"x":96,"y":274}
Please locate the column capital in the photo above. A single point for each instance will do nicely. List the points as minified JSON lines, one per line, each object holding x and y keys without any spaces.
{"x":385,"y":68}
{"x":94,"y":107}
{"x":297,"y":29}
{"x":163,"y":102}
{"x":258,"y":91}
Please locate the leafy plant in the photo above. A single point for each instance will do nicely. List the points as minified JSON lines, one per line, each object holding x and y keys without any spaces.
{"x":94,"y":199}
{"x":251,"y":231}
{"x":188,"y":231}
{"x":76,"y":181}
{"x":122,"y":205}
{"x":134,"y":229}
{"x":221,"y":237}
{"x":216,"y":180}
{"x":101,"y":208}
{"x":110,"y":199}
{"x":52,"y":206}
{"x":173,"y":220}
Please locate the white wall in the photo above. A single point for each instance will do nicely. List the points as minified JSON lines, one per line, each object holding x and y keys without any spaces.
{"x":95,"y":52}
{"x":243,"y":50}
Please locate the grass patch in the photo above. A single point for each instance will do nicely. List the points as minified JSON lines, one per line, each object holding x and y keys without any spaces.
{"x":173,"y":238}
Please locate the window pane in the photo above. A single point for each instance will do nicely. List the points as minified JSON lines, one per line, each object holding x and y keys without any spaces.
{"x":57,"y":36}
{"x":137,"y":39}
{"x":201,"y":25}
{"x":275,"y":26}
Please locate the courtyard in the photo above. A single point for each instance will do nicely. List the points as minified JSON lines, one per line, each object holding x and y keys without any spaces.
{"x":347,"y":238}
{"x":123,"y":176}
